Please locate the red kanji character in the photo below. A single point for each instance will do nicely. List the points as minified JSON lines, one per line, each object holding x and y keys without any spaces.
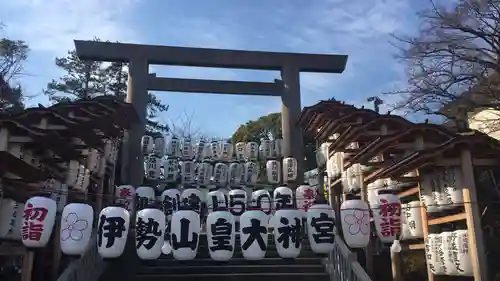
{"x":307,"y":205}
{"x":389,"y":209}
{"x":308,"y":194}
{"x":125,"y":192}
{"x":38,"y":214}
{"x":32,"y":231}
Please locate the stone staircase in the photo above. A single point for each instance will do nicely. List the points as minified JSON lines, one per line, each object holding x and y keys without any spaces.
{"x":307,"y":267}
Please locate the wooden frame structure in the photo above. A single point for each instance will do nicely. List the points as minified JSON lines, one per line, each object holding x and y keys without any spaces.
{"x":53,"y":137}
{"x":393,"y":147}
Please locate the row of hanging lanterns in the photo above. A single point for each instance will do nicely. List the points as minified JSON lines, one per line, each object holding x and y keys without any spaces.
{"x":211,"y":150}
{"x":442,"y":189}
{"x":219,"y":174}
{"x":447,"y":253}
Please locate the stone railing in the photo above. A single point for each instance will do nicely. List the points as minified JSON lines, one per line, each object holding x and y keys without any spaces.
{"x":88,"y":267}
{"x":342,"y":264}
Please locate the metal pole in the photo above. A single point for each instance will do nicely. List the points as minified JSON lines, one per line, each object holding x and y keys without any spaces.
{"x":137,"y":95}
{"x":290,"y":113}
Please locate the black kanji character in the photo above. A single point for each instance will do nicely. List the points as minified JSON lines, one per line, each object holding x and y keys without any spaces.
{"x":147,"y":233}
{"x":184,"y":242}
{"x":113,"y":229}
{"x":290,"y":232}
{"x":170,"y":205}
{"x":140,"y":202}
{"x":260,"y":199}
{"x":283,"y":201}
{"x":254,"y":231}
{"x":221,"y":235}
{"x":323,"y":225}
{"x":192,"y":202}
{"x":237,"y":204}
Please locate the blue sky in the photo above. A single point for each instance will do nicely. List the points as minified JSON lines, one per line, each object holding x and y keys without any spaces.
{"x":360,"y":29}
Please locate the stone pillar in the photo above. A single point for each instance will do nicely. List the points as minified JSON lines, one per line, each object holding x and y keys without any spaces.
{"x":137,"y":95}
{"x":290,"y":113}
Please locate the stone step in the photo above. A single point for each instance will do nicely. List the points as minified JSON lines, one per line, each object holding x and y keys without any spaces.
{"x":270,"y":253}
{"x":233,"y":261}
{"x":236,"y":277}
{"x":236,"y":269}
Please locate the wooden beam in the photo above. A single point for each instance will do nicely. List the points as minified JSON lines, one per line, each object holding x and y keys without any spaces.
{"x":203,"y":57}
{"x":215,"y":86}
{"x":27,"y":268}
{"x":419,"y":246}
{"x":409,"y":192}
{"x":447,"y":219}
{"x":475,"y":162}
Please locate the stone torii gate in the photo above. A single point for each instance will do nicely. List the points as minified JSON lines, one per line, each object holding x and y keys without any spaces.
{"x":139,"y":57}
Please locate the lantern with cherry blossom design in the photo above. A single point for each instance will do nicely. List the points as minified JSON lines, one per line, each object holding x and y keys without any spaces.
{"x":204,"y":173}
{"x":147,"y":144}
{"x":277,"y":148}
{"x":173,"y":148}
{"x":226,"y":151}
{"x":355,"y":220}
{"x":125,"y":196}
{"x":273,"y":171}
{"x":112,"y":231}
{"x":265,"y":149}
{"x":160,"y":146}
{"x":152,"y":167}
{"x":187,"y":171}
{"x":387,"y":216}
{"x":76,"y":228}
{"x":252,"y":150}
{"x":289,"y":169}
{"x":220,"y":174}
{"x":251,"y":172}
{"x":261,"y":200}
{"x":240,"y":150}
{"x":235,"y":172}
{"x":38,"y":221}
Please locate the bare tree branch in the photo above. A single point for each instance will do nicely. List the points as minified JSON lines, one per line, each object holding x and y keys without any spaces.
{"x":184,"y":127}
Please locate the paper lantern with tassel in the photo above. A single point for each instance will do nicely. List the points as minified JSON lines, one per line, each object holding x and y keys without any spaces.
{"x":288,"y":246}
{"x":112,"y":231}
{"x":387,"y":216}
{"x":185,"y":221}
{"x":252,"y":222}
{"x":76,"y":228}
{"x":149,"y":233}
{"x":221,"y":224}
{"x":355,"y":217}
{"x":321,"y":228}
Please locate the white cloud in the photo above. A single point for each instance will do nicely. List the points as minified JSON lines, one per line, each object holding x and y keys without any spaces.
{"x":52,"y":25}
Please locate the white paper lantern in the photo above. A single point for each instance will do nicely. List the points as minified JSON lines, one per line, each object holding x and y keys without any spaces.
{"x":429,"y":192}
{"x":152,"y":167}
{"x":447,"y":250}
{"x":240,"y":150}
{"x":76,"y":228}
{"x":321,"y":228}
{"x":266,"y":150}
{"x":282,"y":198}
{"x":171,"y":169}
{"x":278,"y":148}
{"x":251,"y":172}
{"x":72,"y":172}
{"x":452,"y":185}
{"x":185,"y":229}
{"x":198,"y":149}
{"x":93,"y":160}
{"x":414,"y":219}
{"x":149,"y":233}
{"x":461,"y":255}
{"x":252,"y":151}
{"x":173,"y":147}
{"x":125,"y":196}
{"x":187,"y":149}
{"x":38,"y":221}
{"x":288,"y":232}
{"x":355,"y":217}
{"x":220,"y":174}
{"x":221,"y":235}
{"x":112,"y":231}
{"x":273,"y":171}
{"x":160,"y":146}
{"x":215,"y":200}
{"x":304,"y":197}
{"x":215,"y":149}
{"x":237,"y":202}
{"x":147,"y":144}
{"x":170,"y":200}
{"x":226,"y":152}
{"x":322,"y":154}
{"x":405,"y":227}
{"x":254,"y":234}
{"x":261,"y":200}
{"x":11,"y":219}
{"x":207,"y":151}
{"x":191,"y":199}
{"x":387,"y":217}
{"x":143,"y":196}
{"x":204,"y":173}
{"x":235,"y":172}
{"x":435,"y":256}
{"x":187,"y":171}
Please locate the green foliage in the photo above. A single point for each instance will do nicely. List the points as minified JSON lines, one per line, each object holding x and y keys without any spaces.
{"x":88,"y":79}
{"x":265,"y":128}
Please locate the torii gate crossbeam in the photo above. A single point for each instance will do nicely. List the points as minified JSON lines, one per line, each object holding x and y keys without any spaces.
{"x":140,"y":81}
